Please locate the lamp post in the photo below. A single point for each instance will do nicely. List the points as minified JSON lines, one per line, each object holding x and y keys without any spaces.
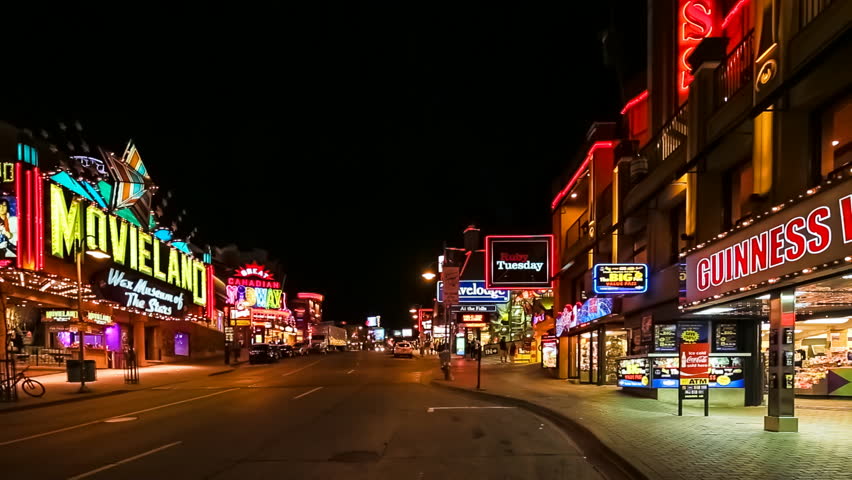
{"x":78,"y":258}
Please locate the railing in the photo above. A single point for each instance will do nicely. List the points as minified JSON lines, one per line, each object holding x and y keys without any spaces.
{"x":669,"y":139}
{"x":736,"y":72}
{"x":810,"y":9}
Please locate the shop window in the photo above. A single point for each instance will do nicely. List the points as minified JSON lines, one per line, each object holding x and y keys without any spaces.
{"x":836,"y":136}
{"x":739,"y":183}
{"x":182,"y":344}
{"x":677,"y":228}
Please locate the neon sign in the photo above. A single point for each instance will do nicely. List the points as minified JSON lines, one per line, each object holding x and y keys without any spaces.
{"x":814,"y":232}
{"x":128,"y":245}
{"x":255,"y":286}
{"x":519,"y":262}
{"x":695,"y":21}
{"x":620,"y":278}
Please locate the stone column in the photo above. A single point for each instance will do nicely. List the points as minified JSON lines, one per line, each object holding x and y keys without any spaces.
{"x":138,"y":322}
{"x":782,"y":324}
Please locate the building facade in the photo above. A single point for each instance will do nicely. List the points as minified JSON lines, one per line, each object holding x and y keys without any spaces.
{"x":729,"y":180}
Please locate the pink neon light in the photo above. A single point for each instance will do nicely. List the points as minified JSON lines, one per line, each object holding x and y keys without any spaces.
{"x":28,"y":227}
{"x":698,"y":32}
{"x":632,"y":103}
{"x":18,"y":199}
{"x":39,"y":219}
{"x":310,"y":296}
{"x":733,"y":12}
{"x":561,"y":195}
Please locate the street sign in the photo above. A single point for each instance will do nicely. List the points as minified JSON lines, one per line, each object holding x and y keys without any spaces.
{"x":694,"y":374}
{"x":474,"y":309}
{"x":451,"y":285}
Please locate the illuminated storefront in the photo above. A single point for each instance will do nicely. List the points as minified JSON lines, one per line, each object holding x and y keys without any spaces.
{"x":596,"y":339}
{"x":147,"y":293}
{"x":258,"y":306}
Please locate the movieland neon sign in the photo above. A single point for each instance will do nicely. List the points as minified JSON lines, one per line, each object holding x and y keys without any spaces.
{"x":128,"y":245}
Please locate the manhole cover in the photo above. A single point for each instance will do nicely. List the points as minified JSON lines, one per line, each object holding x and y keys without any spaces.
{"x":120,"y":419}
{"x":357,"y":456}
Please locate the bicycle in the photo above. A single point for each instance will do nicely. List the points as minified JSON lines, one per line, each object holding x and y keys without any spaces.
{"x":30,"y":386}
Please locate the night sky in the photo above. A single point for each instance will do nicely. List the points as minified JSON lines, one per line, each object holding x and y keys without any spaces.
{"x":349,"y":144}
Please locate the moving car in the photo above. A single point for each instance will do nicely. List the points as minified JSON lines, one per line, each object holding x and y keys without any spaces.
{"x":285,"y":351}
{"x":262,"y":353}
{"x":403,"y":348}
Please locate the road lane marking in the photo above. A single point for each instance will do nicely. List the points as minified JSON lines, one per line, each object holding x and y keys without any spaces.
{"x":306,"y":393}
{"x":126,"y":460}
{"x":120,"y":419}
{"x":350,"y":371}
{"x":432,"y":409}
{"x":74,"y":427}
{"x":300,"y":369}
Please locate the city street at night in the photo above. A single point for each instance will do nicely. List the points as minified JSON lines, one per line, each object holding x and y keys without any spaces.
{"x":356,"y":415}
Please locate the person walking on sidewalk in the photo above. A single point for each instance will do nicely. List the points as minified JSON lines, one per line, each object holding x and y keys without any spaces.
{"x":512,"y":351}
{"x":445,"y":358}
{"x":504,"y":352}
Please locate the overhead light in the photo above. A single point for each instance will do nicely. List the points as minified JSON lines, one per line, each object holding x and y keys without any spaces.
{"x":822,"y":335}
{"x":798,"y":331}
{"x":714,"y":311}
{"x":826,"y":321}
{"x":413,"y":310}
{"x":762,"y":297}
{"x":573,"y":195}
{"x":835,"y":143}
{"x":429,"y":276}
{"x":847,"y":277}
{"x":764,"y":327}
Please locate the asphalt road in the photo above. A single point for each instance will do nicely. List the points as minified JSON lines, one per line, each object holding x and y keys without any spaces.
{"x":346,"y":415}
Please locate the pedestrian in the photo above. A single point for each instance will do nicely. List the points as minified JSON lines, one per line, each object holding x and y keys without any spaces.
{"x":444,"y":358}
{"x":504,"y":351}
{"x":512,"y":351}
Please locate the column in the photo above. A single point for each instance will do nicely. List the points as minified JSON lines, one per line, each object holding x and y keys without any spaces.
{"x":138,"y":322}
{"x":564,"y":358}
{"x":782,"y":323}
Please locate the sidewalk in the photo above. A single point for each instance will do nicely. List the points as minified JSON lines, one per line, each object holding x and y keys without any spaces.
{"x":729,"y":444}
{"x":111,"y":382}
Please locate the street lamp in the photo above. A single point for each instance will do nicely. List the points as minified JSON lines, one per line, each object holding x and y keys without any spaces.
{"x":429,"y":276}
{"x":78,"y":258}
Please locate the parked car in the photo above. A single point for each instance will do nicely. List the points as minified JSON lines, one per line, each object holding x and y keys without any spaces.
{"x":262,"y":353}
{"x":285,"y":351}
{"x":403,"y":349}
{"x":300,"y":349}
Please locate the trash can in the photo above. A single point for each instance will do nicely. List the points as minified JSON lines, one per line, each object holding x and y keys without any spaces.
{"x":72,"y":368}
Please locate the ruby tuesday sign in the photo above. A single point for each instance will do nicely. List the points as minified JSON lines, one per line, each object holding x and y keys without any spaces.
{"x":519,"y":262}
{"x":797,"y":238}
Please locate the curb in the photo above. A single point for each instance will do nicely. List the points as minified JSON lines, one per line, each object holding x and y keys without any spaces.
{"x":601,"y":456}
{"x":53,"y":403}
{"x":221,"y":372}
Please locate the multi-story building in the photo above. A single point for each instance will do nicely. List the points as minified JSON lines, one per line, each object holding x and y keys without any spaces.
{"x":729,"y":179}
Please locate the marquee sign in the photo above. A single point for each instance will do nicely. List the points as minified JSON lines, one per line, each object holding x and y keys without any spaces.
{"x":473,"y":320}
{"x":254,"y":285}
{"x":805,"y":235}
{"x":145,"y":256}
{"x":130,"y":289}
{"x":620,"y":278}
{"x":519,"y":262}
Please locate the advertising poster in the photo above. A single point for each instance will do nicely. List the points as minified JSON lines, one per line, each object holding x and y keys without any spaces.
{"x":694,"y":370}
{"x":549,"y":351}
{"x":633,"y":372}
{"x":693,"y":331}
{"x":8,"y":226}
{"x":666,"y":374}
{"x":665,"y":338}
{"x":726,"y":337}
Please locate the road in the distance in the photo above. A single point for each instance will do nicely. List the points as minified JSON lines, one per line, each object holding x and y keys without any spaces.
{"x":355,"y":415}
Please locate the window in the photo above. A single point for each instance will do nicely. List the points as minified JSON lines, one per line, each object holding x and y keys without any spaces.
{"x":739,"y":185}
{"x":677,"y":227}
{"x":640,"y":247}
{"x":836,"y":136}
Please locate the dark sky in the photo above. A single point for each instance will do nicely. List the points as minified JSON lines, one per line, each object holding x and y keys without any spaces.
{"x":349,"y":144}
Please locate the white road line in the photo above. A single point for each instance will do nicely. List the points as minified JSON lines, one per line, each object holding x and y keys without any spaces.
{"x":350,"y":371}
{"x":306,"y":393}
{"x":300,"y":369}
{"x":126,"y":460}
{"x":432,"y":409}
{"x":74,"y":427}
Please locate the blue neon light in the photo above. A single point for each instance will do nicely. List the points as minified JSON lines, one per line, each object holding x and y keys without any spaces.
{"x":613,"y":287}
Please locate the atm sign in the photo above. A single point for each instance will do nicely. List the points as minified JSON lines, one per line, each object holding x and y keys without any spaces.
{"x":621,"y":278}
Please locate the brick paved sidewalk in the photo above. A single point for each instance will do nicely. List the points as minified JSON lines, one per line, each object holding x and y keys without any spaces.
{"x":729,"y":444}
{"x":111,"y":382}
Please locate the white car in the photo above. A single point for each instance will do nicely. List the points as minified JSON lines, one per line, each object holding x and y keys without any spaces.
{"x":403,"y":348}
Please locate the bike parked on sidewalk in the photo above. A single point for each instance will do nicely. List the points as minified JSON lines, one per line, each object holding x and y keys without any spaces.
{"x":30,"y":386}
